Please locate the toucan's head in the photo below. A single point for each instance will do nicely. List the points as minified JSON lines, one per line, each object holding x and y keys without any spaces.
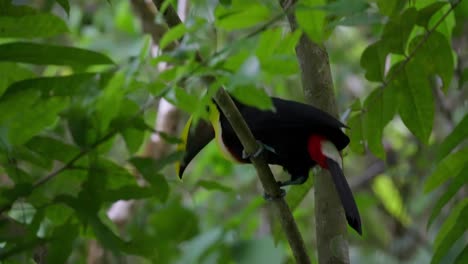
{"x":196,"y":135}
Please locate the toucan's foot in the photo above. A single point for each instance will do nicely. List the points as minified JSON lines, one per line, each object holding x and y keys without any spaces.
{"x":269,"y":198}
{"x":296,"y":181}
{"x":261,"y":148}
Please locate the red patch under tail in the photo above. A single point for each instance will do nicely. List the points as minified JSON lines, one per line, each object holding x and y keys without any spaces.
{"x":314,"y":147}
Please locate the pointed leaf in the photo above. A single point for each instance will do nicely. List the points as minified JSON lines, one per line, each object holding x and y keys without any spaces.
{"x":458,"y":135}
{"x":452,"y":189}
{"x":452,"y":229}
{"x":311,"y":19}
{"x":416,"y":104}
{"x":241,"y":16}
{"x":35,"y":53}
{"x":39,"y":25}
{"x":11,"y":72}
{"x":447,"y":168}
{"x":438,"y":51}
{"x":389,"y":195}
{"x":380,"y":107}
{"x":397,"y":31}
{"x":373,"y":61}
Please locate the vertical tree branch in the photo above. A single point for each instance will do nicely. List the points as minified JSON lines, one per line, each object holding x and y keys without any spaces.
{"x":317,"y":82}
{"x":281,"y":208}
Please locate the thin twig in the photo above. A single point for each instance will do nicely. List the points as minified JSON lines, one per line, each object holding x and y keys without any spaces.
{"x":392,"y":74}
{"x":70,"y":164}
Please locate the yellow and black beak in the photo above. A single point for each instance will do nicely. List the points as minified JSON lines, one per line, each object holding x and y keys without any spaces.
{"x":195,"y":138}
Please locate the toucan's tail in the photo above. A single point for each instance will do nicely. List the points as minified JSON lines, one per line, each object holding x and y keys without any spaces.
{"x":345,"y":194}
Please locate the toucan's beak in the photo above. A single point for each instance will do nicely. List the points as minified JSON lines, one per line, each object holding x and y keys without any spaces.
{"x":195,"y":137}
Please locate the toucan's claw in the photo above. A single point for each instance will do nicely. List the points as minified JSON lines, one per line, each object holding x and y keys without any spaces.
{"x":297,"y":181}
{"x":269,"y":198}
{"x":261,"y":148}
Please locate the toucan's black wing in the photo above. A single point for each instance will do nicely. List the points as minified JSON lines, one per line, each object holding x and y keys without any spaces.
{"x":294,"y":119}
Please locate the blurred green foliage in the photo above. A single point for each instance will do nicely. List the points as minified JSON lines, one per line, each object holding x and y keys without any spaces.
{"x":78,"y":90}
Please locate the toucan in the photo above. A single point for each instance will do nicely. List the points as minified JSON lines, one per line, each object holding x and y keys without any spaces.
{"x":294,"y":135}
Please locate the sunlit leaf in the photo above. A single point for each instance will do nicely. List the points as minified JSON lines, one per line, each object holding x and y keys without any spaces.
{"x":311,"y":19}
{"x":172,"y":35}
{"x":426,"y":13}
{"x":253,"y":96}
{"x":390,"y":197}
{"x":241,"y":16}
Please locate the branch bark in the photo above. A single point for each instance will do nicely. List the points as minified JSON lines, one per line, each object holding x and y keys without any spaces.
{"x":281,"y":208}
{"x":317,"y":82}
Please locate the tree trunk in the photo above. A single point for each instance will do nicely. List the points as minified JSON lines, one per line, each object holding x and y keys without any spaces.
{"x":317,"y":82}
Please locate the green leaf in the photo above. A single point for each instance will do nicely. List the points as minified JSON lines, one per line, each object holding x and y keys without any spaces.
{"x":247,"y":74}
{"x":65,"y":5}
{"x":390,"y":197}
{"x":462,"y":257}
{"x":109,"y":102}
{"x":425,"y":14}
{"x":311,"y":19}
{"x":452,"y":189}
{"x":356,"y":131}
{"x":253,"y":96}
{"x":373,"y":61}
{"x":458,"y":135}
{"x":175,"y":223}
{"x":416,"y":103}
{"x":380,"y":107}
{"x":52,"y":148}
{"x":35,"y":53}
{"x":438,"y":51}
{"x":345,"y":7}
{"x":185,"y":101}
{"x":62,"y":243}
{"x":397,"y":31}
{"x":172,"y":35}
{"x":70,"y":85}
{"x":390,"y":7}
{"x":28,"y":119}
{"x":452,"y":229}
{"x":31,"y":26}
{"x":214,"y":186}
{"x":240,"y":16}
{"x":82,"y":129}
{"x":447,"y":168}
{"x":149,"y":169}
{"x":11,"y":72}
{"x":258,"y":251}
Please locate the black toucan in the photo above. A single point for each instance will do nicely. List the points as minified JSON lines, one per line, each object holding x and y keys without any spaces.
{"x":296,"y":136}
